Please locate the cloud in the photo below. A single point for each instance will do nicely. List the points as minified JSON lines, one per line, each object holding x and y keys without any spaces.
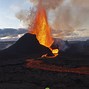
{"x":15,"y":7}
{"x":10,"y":34}
{"x":48,"y":4}
{"x":66,"y":17}
{"x":81,"y":3}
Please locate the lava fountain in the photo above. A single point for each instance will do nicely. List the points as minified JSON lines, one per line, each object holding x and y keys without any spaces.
{"x":42,"y":30}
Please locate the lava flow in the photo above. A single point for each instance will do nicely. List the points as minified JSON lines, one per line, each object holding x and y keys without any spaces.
{"x":42,"y":30}
{"x":39,"y":64}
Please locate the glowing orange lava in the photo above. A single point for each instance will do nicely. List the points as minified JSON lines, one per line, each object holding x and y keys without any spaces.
{"x":55,"y":51}
{"x":41,"y":28}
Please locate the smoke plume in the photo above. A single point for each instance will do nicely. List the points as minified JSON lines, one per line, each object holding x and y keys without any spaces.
{"x":48,"y":4}
{"x":26,"y":16}
{"x":66,"y":17}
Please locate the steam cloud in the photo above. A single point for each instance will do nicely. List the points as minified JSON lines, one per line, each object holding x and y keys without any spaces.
{"x":66,"y":17}
{"x":48,"y":4}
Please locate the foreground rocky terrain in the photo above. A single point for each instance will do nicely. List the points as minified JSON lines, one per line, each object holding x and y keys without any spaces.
{"x":19,"y":76}
{"x":40,"y":73}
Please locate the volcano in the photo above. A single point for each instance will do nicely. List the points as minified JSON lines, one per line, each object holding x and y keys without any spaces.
{"x":31,"y":71}
{"x":30,"y":63}
{"x":26,"y":46}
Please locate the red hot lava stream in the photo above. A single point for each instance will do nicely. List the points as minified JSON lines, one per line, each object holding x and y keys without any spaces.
{"x":39,"y":64}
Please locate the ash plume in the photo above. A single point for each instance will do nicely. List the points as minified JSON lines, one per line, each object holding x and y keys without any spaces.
{"x":48,"y":4}
{"x":65,"y":17}
{"x":26,"y":17}
{"x":56,"y":17}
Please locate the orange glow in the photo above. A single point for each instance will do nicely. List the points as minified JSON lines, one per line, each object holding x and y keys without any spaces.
{"x":55,"y":51}
{"x":41,"y":28}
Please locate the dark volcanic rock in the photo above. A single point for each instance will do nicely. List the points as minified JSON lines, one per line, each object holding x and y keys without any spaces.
{"x":26,"y":46}
{"x":76,"y":49}
{"x":19,"y":76}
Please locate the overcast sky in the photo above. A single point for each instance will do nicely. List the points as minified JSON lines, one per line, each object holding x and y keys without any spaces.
{"x":8,"y":9}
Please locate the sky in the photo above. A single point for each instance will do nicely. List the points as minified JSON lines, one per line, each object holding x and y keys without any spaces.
{"x":8,"y":10}
{"x":70,"y":17}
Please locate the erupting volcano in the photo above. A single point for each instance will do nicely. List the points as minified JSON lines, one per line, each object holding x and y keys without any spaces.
{"x":37,"y":60}
{"x":42,"y":30}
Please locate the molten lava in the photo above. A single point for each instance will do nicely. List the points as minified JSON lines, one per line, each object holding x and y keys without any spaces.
{"x":41,"y":28}
{"x":39,"y":64}
{"x":55,"y":51}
